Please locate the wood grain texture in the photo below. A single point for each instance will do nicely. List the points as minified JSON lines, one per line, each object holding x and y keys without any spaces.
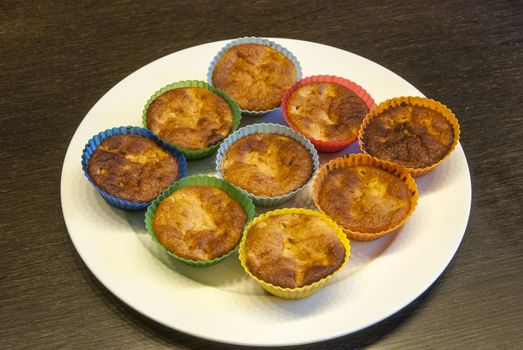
{"x":58,"y":58}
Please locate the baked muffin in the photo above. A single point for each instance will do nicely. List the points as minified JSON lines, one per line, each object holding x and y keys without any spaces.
{"x":413,"y":132}
{"x":293,"y":250}
{"x":199,"y":222}
{"x":191,"y":117}
{"x":267,"y":164}
{"x":255,"y":75}
{"x":132,"y":167}
{"x":326,"y":108}
{"x":366,"y":196}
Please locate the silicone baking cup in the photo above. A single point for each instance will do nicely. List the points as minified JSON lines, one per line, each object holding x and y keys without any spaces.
{"x":95,"y":141}
{"x":305,"y":291}
{"x":223,"y":185}
{"x":415,"y":101}
{"x":267,"y":128}
{"x":254,"y":40}
{"x":327,"y":146}
{"x":200,"y":153}
{"x":362,"y":159}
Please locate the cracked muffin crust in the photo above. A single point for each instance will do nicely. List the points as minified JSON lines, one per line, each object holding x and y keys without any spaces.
{"x":410,"y":135}
{"x":267,"y":164}
{"x":199,"y":222}
{"x":325,"y":111}
{"x":293,"y":250}
{"x":190,"y":117}
{"x":364,"y":198}
{"x":132,"y":167}
{"x":255,"y":76}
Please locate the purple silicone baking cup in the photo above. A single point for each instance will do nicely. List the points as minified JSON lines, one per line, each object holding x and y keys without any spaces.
{"x":97,"y":139}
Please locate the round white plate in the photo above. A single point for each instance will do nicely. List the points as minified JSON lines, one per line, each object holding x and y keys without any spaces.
{"x":220,"y":302}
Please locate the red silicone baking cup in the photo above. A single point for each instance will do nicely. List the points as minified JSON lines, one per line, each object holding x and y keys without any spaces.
{"x":327,"y":146}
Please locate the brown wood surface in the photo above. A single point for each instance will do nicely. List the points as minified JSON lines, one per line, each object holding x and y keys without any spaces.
{"x":57,"y":58}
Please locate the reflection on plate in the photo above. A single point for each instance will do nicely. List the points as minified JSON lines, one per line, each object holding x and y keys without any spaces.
{"x":220,"y":302}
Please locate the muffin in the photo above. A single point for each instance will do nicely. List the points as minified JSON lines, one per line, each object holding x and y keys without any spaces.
{"x":327,"y":110}
{"x":198,"y":220}
{"x":292,"y":252}
{"x":414,"y":132}
{"x":364,"y":195}
{"x":191,"y":115}
{"x":130,"y":167}
{"x":274,"y":164}
{"x":267,"y":164}
{"x":254,"y":73}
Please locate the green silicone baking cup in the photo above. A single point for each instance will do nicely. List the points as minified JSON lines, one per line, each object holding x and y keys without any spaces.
{"x":200,"y":153}
{"x":200,"y":180}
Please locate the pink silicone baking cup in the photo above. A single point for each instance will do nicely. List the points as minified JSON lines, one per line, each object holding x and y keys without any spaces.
{"x":327,"y":146}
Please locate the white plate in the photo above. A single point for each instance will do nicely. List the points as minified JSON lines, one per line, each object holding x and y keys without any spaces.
{"x":220,"y":302}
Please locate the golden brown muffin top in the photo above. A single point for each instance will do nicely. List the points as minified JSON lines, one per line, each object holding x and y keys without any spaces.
{"x":326,"y":111}
{"x":412,"y":136}
{"x":267,"y":164}
{"x":132,"y":167}
{"x":255,"y":76}
{"x":364,"y":199}
{"x":293,"y":250}
{"x":199,"y":222}
{"x":192,"y":117}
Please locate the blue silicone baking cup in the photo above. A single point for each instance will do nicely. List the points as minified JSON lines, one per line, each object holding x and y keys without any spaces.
{"x":261,"y":41}
{"x":97,"y":139}
{"x":267,"y":128}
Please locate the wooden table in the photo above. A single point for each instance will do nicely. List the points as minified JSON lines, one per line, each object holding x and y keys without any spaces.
{"x":58,"y":58}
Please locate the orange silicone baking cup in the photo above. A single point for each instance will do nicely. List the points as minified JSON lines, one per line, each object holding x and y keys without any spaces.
{"x":366,"y":160}
{"x":415,"y":101}
{"x":301,"y":292}
{"x":327,"y":146}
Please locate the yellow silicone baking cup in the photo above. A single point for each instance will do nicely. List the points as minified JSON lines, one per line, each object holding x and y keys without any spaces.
{"x":415,"y":101}
{"x":363,"y":159}
{"x":305,"y":291}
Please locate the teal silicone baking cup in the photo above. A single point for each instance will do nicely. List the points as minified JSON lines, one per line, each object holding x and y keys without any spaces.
{"x":200,"y":153}
{"x":267,"y":128}
{"x":260,"y":41}
{"x":199,"y":180}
